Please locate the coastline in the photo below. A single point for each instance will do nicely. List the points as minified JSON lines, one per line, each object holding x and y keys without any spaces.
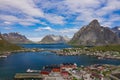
{"x":7,"y":53}
{"x":69,"y":52}
{"x":98,"y":54}
{"x":70,"y":71}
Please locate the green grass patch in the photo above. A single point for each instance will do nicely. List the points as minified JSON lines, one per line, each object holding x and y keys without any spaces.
{"x":106,"y":48}
{"x":6,"y":46}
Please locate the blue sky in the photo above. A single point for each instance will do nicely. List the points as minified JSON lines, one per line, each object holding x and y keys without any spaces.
{"x":37,"y":18}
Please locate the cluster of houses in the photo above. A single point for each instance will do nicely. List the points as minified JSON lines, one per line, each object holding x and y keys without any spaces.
{"x":52,"y":72}
{"x":58,"y":70}
{"x":70,"y":71}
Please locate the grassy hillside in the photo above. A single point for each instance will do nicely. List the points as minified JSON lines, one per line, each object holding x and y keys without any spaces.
{"x":106,"y":48}
{"x":100,"y":48}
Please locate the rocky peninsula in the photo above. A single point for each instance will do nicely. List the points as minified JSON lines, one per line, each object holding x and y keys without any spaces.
{"x":100,"y":54}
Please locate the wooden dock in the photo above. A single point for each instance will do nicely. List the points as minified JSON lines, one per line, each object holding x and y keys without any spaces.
{"x":28,"y":76}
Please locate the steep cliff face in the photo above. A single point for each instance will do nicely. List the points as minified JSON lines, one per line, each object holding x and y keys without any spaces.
{"x":94,"y":34}
{"x":54,"y":39}
{"x":6,"y":46}
{"x":15,"y":38}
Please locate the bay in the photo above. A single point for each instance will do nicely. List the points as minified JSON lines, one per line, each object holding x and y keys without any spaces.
{"x":20,"y":62}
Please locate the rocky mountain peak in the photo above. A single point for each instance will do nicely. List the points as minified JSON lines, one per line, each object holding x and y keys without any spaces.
{"x":54,"y":39}
{"x":6,"y":46}
{"x":94,"y":34}
{"x":15,"y":37}
{"x":94,"y":23}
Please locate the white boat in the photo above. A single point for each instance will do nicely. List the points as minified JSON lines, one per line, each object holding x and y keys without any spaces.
{"x":100,"y":58}
{"x":3,"y":56}
{"x":30,"y":71}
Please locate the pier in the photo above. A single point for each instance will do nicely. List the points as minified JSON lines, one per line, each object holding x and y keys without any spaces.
{"x":28,"y":76}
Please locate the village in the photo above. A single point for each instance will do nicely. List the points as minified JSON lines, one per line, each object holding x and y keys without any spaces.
{"x":70,"y":71}
{"x":86,"y":51}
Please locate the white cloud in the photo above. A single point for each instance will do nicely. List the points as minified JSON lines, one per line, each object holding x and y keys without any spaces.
{"x":115,"y":17}
{"x":6,"y":22}
{"x":25,"y":6}
{"x":44,"y":28}
{"x":77,"y":5}
{"x":10,"y":19}
{"x":55,"y":19}
{"x":88,"y":10}
{"x":111,"y":5}
{"x":35,"y":39}
{"x":69,"y":30}
{"x":7,"y":28}
{"x":26,"y":23}
{"x":112,"y":18}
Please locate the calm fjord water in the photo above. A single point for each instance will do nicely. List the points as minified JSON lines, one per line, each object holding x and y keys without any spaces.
{"x":20,"y":62}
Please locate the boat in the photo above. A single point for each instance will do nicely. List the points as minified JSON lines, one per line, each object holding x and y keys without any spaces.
{"x":32,"y":71}
{"x":3,"y":56}
{"x":100,"y":58}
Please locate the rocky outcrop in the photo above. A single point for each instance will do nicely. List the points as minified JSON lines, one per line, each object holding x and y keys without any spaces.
{"x":54,"y":39}
{"x":15,"y":38}
{"x":93,"y":35}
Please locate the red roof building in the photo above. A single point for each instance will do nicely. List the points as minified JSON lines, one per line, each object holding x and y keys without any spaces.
{"x":65,"y":74}
{"x":45,"y":72}
{"x":56,"y":70}
{"x":68,"y":65}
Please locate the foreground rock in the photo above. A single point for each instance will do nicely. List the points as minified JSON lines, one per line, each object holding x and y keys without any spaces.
{"x":93,"y":35}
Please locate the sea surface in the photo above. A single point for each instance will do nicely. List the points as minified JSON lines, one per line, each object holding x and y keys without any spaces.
{"x":20,"y":62}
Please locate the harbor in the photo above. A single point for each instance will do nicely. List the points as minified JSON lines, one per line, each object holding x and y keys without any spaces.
{"x":70,"y":71}
{"x":21,"y":62}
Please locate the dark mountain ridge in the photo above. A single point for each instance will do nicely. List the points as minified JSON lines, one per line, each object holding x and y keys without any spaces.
{"x":116,"y":30}
{"x":94,"y":35}
{"x":6,"y":46}
{"x":15,"y":37}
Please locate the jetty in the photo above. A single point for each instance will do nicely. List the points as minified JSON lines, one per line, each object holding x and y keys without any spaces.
{"x":26,"y":76}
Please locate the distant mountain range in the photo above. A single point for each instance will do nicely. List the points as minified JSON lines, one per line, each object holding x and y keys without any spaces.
{"x":91,"y":35}
{"x":6,"y":46}
{"x":116,"y":30}
{"x":94,"y":35}
{"x":15,"y":37}
{"x":54,"y":39}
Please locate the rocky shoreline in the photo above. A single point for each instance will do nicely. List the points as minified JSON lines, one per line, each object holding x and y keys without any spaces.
{"x":7,"y":53}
